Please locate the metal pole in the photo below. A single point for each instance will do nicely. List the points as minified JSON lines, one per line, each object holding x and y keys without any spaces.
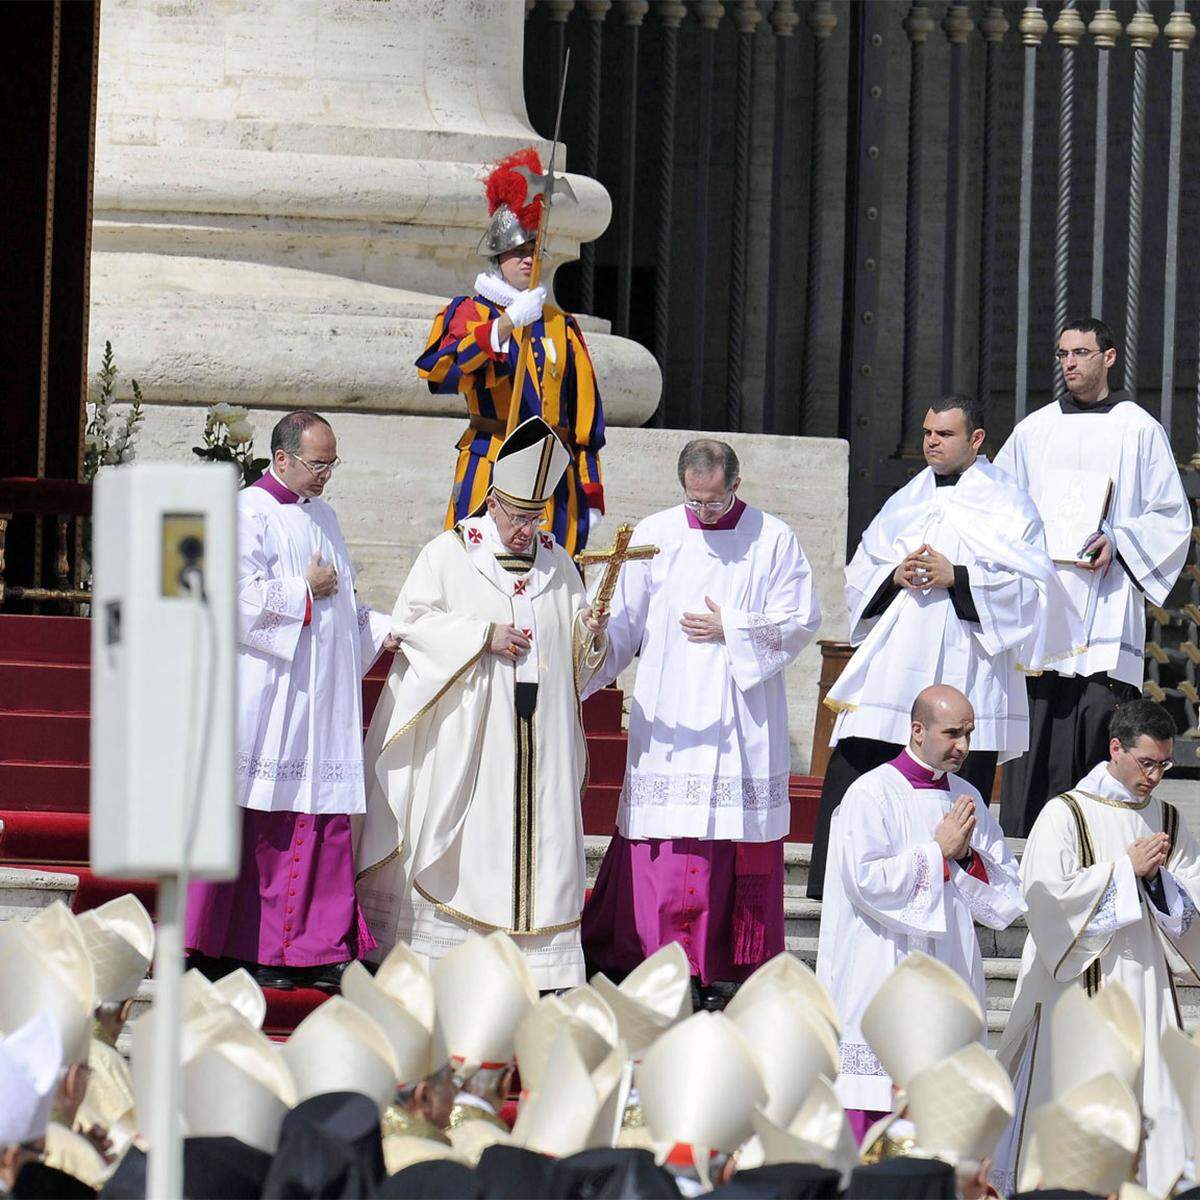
{"x":560,"y":12}
{"x":633,"y":12}
{"x":165,"y":1168}
{"x":918,"y":25}
{"x":1180,"y":31}
{"x":1105,"y":29}
{"x":709,"y":14}
{"x":822,"y":22}
{"x":994,"y":27}
{"x":1070,"y":29}
{"x":670,"y":13}
{"x":595,"y":11}
{"x":1142,"y":31}
{"x":746,"y":17}
{"x":783,"y":21}
{"x":957,"y":26}
{"x":1033,"y":28}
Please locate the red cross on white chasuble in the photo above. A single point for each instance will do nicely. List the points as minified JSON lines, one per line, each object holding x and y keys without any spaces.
{"x":547,"y":541}
{"x":528,"y":633}
{"x":475,"y":535}
{"x":519,"y":587}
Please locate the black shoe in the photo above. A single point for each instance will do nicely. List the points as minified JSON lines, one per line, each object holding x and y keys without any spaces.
{"x":272,"y":977}
{"x":715,"y":996}
{"x":327,"y":977}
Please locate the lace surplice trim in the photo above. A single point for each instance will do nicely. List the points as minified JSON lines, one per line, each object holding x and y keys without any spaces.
{"x":364,"y":617}
{"x":753,"y":795}
{"x":296,"y":770}
{"x":918,"y":897}
{"x":766,"y":640}
{"x":1189,"y":909}
{"x":274,"y":617}
{"x":1104,"y":920}
{"x":859,"y":1059}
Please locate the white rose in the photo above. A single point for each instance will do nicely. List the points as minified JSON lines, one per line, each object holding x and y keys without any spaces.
{"x":241,"y":432}
{"x":235,"y":413}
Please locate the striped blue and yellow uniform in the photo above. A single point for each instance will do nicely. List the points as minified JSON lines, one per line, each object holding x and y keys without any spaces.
{"x":560,"y":387}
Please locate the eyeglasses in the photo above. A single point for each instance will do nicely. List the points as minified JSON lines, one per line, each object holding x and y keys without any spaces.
{"x":1077,"y":355}
{"x":1152,"y":766}
{"x":720,"y":507}
{"x":521,"y":520}
{"x":318,"y":469}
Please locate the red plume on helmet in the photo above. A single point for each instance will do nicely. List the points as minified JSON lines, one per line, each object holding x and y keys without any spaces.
{"x":504,"y":186}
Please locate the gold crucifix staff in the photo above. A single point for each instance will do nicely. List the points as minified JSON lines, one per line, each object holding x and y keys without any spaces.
{"x":619,"y":553}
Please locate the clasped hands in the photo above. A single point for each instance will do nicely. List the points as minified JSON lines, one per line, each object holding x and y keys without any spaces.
{"x":1148,"y":854}
{"x":923,"y":568}
{"x":511,"y":643}
{"x":953,"y":831}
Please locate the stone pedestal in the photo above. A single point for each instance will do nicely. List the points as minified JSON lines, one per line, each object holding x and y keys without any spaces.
{"x":287,"y":190}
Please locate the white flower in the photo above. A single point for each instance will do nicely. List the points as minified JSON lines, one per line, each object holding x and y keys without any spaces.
{"x":235,"y":413}
{"x":241,"y":432}
{"x":92,"y":442}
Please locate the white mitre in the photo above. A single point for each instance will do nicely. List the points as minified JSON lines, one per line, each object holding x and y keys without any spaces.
{"x":818,"y":1134}
{"x":793,"y":1044}
{"x":411,"y":1040}
{"x":786,"y":973}
{"x":529,"y":465}
{"x":31,"y":1059}
{"x":44,"y":967}
{"x":1087,"y":1140}
{"x":961,"y":1108}
{"x":582,"y":1011}
{"x":339,"y":1048}
{"x":119,"y":937}
{"x":1094,"y":1035}
{"x":699,"y":1086}
{"x":651,"y":998}
{"x":921,"y":1014}
{"x":483,"y":990}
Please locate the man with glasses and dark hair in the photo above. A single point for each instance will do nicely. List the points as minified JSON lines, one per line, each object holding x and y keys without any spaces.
{"x":304,"y":645}
{"x":1099,"y":441}
{"x":715,"y":619}
{"x":949,"y":585}
{"x":476,"y":756}
{"x":1112,"y":881}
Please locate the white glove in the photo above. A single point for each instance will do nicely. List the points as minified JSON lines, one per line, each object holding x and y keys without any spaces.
{"x":526,"y":308}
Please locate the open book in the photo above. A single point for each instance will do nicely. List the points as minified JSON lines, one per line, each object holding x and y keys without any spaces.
{"x":1073,"y":503}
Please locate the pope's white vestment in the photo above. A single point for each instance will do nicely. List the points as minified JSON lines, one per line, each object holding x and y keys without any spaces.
{"x":888,"y":891}
{"x":474,"y":812}
{"x":709,"y":755}
{"x":1101,"y":917}
{"x":299,"y":686}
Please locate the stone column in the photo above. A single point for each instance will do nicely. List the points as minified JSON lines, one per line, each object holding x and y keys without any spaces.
{"x":287,"y":190}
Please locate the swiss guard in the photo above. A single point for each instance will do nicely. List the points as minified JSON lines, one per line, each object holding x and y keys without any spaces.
{"x":473,"y":349}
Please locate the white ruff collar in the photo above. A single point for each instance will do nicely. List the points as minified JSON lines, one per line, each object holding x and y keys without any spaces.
{"x":492,"y":287}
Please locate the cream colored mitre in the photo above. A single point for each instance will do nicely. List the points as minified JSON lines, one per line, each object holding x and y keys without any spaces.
{"x":529,"y":465}
{"x":540,"y":1029}
{"x":31,"y":1059}
{"x":652,"y":997}
{"x":961,"y":1107}
{"x":699,"y":1084}
{"x":921,"y":1014}
{"x":1088,"y":1140}
{"x":794,"y":1046}
{"x":339,"y":1048}
{"x":818,"y":1134}
{"x":238,"y":1086}
{"x":119,"y":937}
{"x":411,"y":1042}
{"x":1092,"y":1035}
{"x":483,"y":990}
{"x":404,"y":977}
{"x":785,"y":972}
{"x":44,"y":967}
{"x":471,"y":1138}
{"x":241,"y":991}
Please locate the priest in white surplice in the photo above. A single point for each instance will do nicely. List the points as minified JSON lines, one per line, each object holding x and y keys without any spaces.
{"x":915,"y":859}
{"x":476,"y":755}
{"x":304,"y":644}
{"x":1139,"y":551}
{"x":716,"y":616}
{"x":1111,"y":877}
{"x":950,"y":584}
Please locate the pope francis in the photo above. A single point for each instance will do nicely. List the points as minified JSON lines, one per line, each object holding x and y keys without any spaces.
{"x":476,"y":757}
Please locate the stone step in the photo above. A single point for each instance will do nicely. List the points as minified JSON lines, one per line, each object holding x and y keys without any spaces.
{"x":23,"y":893}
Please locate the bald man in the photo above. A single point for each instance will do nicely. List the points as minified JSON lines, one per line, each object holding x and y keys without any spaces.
{"x":915,"y":859}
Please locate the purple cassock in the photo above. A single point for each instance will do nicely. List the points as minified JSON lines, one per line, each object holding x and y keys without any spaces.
{"x":293,"y":903}
{"x":722,"y":901}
